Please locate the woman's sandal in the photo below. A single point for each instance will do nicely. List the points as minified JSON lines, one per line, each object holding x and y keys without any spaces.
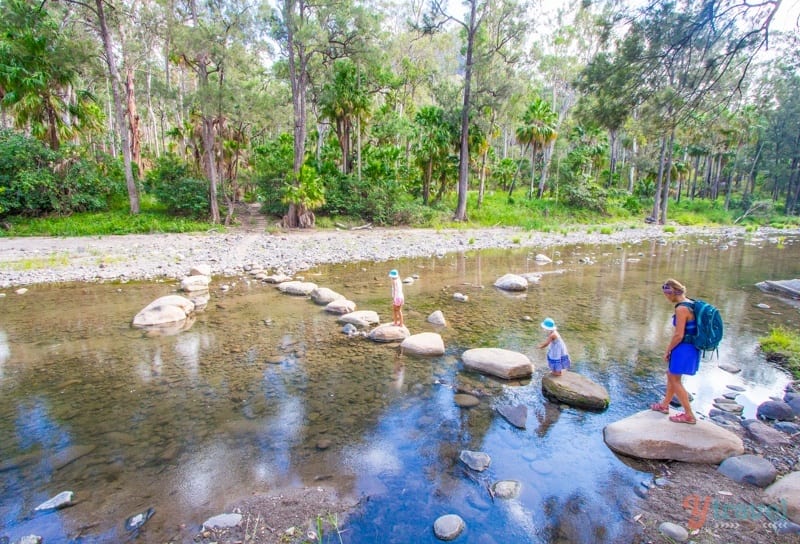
{"x":682,"y":418}
{"x":658,"y":407}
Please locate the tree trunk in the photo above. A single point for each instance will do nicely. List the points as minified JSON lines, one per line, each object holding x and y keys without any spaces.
{"x":482,"y":177}
{"x":660,"y":179}
{"x":667,"y":182}
{"x":119,"y":113}
{"x":632,"y":170}
{"x":533,"y":171}
{"x":463,"y":158}
{"x":547,"y":154}
{"x":133,"y":120}
{"x":612,"y":162}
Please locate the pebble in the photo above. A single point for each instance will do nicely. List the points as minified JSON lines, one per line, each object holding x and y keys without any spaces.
{"x":674,"y":531}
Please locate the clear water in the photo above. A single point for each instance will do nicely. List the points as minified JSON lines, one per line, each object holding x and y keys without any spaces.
{"x":242,"y":401}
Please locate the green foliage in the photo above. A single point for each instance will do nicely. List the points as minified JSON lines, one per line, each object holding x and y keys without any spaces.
{"x":272,"y":166}
{"x":588,"y":196}
{"x":35,"y":180}
{"x":172,"y":183}
{"x":309,"y":191}
{"x":152,"y":219}
{"x":699,"y":212}
{"x":782,"y":345}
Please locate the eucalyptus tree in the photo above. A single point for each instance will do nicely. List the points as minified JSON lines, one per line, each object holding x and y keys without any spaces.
{"x":309,"y":33}
{"x":41,"y":64}
{"x":507,"y":15}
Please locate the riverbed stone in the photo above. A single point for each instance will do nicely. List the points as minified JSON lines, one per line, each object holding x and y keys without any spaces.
{"x":786,"y":491}
{"x":200,"y":270}
{"x":465,"y":400}
{"x":195,"y":283}
{"x":506,"y":489}
{"x":651,"y":435}
{"x":575,"y":390}
{"x":389,"y":332}
{"x":297,"y":288}
{"x":424,"y":343}
{"x":361,"y":318}
{"x":542,"y":259}
{"x":511,"y":282}
{"x":277,"y":278}
{"x":476,"y":460}
{"x":167,"y":309}
{"x":29,"y":539}
{"x":448,"y":527}
{"x":437,"y":318}
{"x":673,"y":531}
{"x":341,"y":306}
{"x":749,"y":469}
{"x":517,"y":414}
{"x":775,"y":409}
{"x":61,"y":500}
{"x":764,"y":434}
{"x":324,"y":296}
{"x":498,"y":362}
{"x":222,"y":521}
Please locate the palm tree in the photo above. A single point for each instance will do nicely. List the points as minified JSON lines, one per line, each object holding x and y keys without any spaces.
{"x":538,"y":130}
{"x":433,"y":139}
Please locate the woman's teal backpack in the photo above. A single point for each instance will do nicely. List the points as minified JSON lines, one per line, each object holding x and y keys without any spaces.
{"x":709,"y":326}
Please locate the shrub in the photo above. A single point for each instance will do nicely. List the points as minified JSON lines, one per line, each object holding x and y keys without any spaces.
{"x":171,"y":182}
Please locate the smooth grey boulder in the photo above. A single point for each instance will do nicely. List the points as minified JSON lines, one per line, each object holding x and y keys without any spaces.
{"x":764,"y":434}
{"x":749,"y":469}
{"x":437,"y":318}
{"x":341,"y":306}
{"x":786,"y":492}
{"x":575,"y":390}
{"x":223,"y":521}
{"x":775,"y":409}
{"x":511,"y":282}
{"x":277,"y":278}
{"x":195,"y":283}
{"x":389,"y":332}
{"x":651,"y":435}
{"x":297,"y":288}
{"x":498,"y":362}
{"x":361,"y":318}
{"x":448,"y":527}
{"x":168,"y":309}
{"x":424,"y":343}
{"x":324,"y":296}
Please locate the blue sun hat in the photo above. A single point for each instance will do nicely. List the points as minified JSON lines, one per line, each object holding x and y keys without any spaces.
{"x":548,"y":324}
{"x":393,"y":274}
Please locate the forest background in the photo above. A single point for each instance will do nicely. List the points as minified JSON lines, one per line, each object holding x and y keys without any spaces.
{"x":168,"y":115}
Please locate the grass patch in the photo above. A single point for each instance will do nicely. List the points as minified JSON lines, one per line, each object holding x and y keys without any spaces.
{"x":782,"y":346}
{"x":51,"y":261}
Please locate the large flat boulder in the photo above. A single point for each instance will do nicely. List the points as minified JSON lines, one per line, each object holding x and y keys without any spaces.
{"x":195,"y":283}
{"x":785,"y":495}
{"x":651,"y":435}
{"x":511,"y":282}
{"x":361,"y":318}
{"x":424,"y":343}
{"x":341,"y":306}
{"x":575,"y":390}
{"x":503,"y":363}
{"x":324,"y":296}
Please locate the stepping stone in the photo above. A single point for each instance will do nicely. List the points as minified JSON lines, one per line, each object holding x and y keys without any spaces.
{"x":516,"y":415}
{"x":575,"y":390}
{"x":498,"y":362}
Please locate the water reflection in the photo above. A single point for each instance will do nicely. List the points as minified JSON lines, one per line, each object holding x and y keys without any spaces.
{"x":264,"y":391}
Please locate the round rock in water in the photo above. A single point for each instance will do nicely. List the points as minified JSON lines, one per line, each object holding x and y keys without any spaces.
{"x":464,"y":400}
{"x":135,"y":522}
{"x":448,"y":527}
{"x":223,"y":521}
{"x":476,"y":460}
{"x":506,"y":489}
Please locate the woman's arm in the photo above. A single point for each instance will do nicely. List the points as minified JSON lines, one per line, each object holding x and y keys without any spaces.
{"x":682,"y":315}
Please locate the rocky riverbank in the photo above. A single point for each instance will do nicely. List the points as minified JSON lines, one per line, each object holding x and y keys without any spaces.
{"x":25,"y":261}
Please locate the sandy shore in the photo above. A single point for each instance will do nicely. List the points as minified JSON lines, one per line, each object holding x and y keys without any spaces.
{"x":25,"y":261}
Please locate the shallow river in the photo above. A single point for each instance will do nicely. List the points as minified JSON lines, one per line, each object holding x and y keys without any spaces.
{"x":264,"y":392}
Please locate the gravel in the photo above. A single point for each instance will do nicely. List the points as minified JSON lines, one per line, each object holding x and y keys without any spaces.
{"x":25,"y":261}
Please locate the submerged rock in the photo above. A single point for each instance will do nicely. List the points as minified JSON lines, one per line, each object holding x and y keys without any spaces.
{"x":164,"y":310}
{"x":511,"y":282}
{"x":448,"y":527}
{"x":136,"y":521}
{"x":61,"y":500}
{"x":575,"y":390}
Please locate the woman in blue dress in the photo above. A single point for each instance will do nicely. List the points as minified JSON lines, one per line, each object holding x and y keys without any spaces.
{"x":683,"y":357}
